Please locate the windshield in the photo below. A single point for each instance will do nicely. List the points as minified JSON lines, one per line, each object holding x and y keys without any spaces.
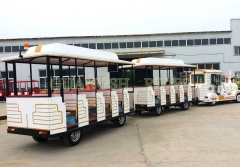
{"x":198,"y":78}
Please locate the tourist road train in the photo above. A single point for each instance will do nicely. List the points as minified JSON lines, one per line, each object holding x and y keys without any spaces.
{"x":118,"y":88}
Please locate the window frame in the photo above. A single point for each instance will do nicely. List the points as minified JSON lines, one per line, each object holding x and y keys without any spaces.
{"x":166,"y":41}
{"x":145,"y":42}
{"x":218,"y":39}
{"x":152,"y":44}
{"x":192,"y":40}
{"x":98,"y":44}
{"x":213,"y":39}
{"x":114,"y":43}
{"x":206,"y":40}
{"x":195,"y":40}
{"x":122,"y":43}
{"x":179,"y":42}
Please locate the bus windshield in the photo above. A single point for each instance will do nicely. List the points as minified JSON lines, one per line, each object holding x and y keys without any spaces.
{"x":198,"y":78}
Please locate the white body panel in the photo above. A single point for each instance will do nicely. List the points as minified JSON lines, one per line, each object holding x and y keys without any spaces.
{"x":37,"y":113}
{"x":144,"y":96}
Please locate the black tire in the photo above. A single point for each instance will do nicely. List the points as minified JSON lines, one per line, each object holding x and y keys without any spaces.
{"x":39,"y":139}
{"x":73,"y":138}
{"x":166,"y":107}
{"x":185,"y":106}
{"x":157,"y":111}
{"x":120,"y":121}
{"x":238,"y":98}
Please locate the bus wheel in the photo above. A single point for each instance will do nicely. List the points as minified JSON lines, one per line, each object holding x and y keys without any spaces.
{"x":185,"y":106}
{"x":166,"y":107}
{"x":39,"y":139}
{"x":120,"y":121}
{"x":157,"y":111}
{"x":73,"y":138}
{"x":238,"y":98}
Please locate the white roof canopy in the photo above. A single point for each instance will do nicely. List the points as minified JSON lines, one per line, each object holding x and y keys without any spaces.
{"x":158,"y":62}
{"x":68,"y":53}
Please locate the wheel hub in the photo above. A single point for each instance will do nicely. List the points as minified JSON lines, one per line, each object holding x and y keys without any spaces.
{"x":238,"y":97}
{"x":158,"y":110}
{"x":75,"y":136}
{"x":121,"y":120}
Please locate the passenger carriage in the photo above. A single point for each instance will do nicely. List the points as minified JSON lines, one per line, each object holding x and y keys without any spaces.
{"x":64,"y":112}
{"x":155,"y":87}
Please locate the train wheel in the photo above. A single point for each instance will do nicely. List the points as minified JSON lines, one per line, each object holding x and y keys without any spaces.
{"x":238,"y":98}
{"x":120,"y":121}
{"x":212,"y":103}
{"x":185,"y":106}
{"x":73,"y":138}
{"x":39,"y":139}
{"x":157,"y":111}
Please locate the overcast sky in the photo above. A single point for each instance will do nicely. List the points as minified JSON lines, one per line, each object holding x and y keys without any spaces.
{"x":48,"y":18}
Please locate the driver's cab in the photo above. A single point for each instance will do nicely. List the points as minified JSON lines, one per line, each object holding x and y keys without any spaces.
{"x":210,"y":85}
{"x":207,"y":81}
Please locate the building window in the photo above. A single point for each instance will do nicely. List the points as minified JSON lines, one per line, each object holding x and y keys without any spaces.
{"x":174,"y":42}
{"x":129,"y":44}
{"x":92,"y":46}
{"x":237,"y":50}
{"x":8,"y":48}
{"x":42,"y":73}
{"x":3,"y":74}
{"x":197,"y":41}
{"x":220,"y":41}
{"x":227,"y":40}
{"x":213,"y":41}
{"x":137,"y":44}
{"x":201,"y":66}
{"x":159,"y":43}
{"x":100,"y":46}
{"x":115,"y":45}
{"x":1,"y":49}
{"x":77,"y":45}
{"x":107,"y":45}
{"x":85,"y":45}
{"x":182,"y":42}
{"x":167,"y":43}
{"x":216,"y":66}
{"x":152,"y":43}
{"x":190,"y":42}
{"x":123,"y":45}
{"x":209,"y":66}
{"x":69,"y":44}
{"x":15,"y":48}
{"x":145,"y":44}
{"x":204,"y":41}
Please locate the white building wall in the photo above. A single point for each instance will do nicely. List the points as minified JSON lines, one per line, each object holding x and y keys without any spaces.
{"x":235,"y":27}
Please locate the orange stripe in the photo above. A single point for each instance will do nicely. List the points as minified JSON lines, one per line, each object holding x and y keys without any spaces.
{"x":38,"y":48}
{"x":138,"y":60}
